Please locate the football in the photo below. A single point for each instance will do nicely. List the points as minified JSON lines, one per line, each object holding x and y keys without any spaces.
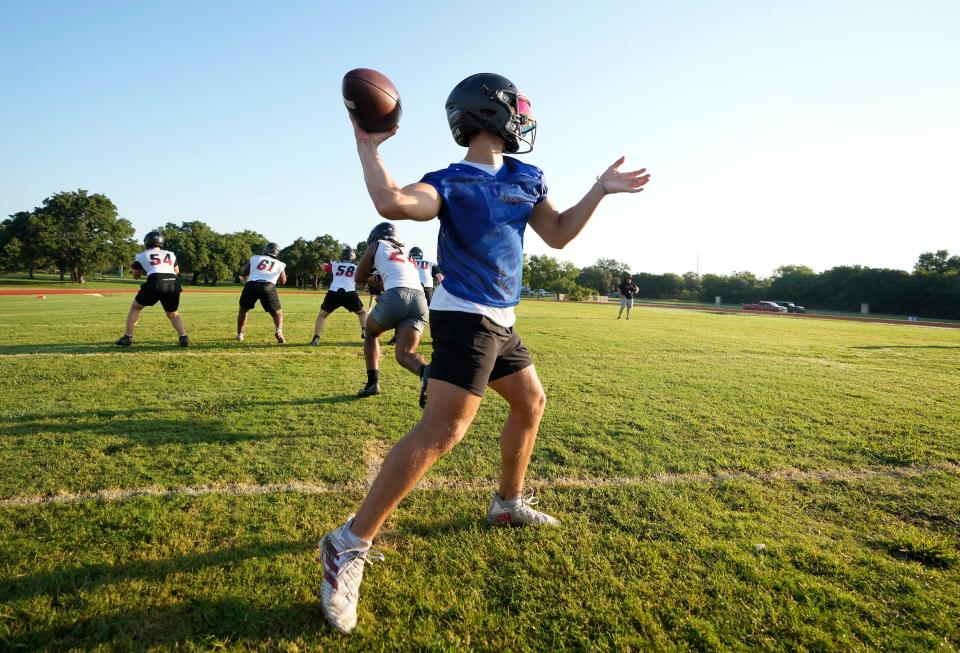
{"x":375,"y":282}
{"x":372,"y":100}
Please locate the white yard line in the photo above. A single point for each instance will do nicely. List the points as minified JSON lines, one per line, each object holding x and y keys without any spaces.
{"x":476,"y":485}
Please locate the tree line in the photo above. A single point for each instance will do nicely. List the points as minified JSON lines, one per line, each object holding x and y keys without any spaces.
{"x":932,"y":289}
{"x":77,"y":233}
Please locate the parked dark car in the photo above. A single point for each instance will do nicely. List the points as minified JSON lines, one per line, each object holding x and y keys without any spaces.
{"x":790,"y":306}
{"x":764,"y":306}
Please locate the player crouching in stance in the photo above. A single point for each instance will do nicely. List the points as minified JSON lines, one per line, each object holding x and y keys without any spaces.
{"x":428,"y":271}
{"x":484,"y":204}
{"x":402,"y":306}
{"x":263,"y":273}
{"x":342,"y":292}
{"x":162,"y":286}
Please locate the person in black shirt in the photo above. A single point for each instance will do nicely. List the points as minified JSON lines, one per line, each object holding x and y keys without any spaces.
{"x":627,"y":291}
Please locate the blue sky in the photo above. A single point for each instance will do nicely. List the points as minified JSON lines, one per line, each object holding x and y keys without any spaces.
{"x":821,"y":134}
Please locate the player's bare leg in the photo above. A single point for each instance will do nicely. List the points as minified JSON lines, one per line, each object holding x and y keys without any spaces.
{"x":371,"y":355}
{"x":278,"y":322}
{"x":242,"y":322}
{"x":177,"y":322}
{"x":408,"y":339}
{"x":362,"y":316}
{"x":443,"y":424}
{"x":133,"y":316}
{"x":524,"y":392}
{"x":318,"y":327}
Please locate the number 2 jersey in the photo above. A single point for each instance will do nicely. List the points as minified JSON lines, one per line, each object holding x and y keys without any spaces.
{"x":265,"y":268}
{"x":395,"y":267}
{"x":343,"y":278}
{"x":156,"y":261}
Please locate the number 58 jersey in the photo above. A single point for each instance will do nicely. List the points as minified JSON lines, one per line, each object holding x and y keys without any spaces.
{"x":265,"y":268}
{"x":343,"y":278}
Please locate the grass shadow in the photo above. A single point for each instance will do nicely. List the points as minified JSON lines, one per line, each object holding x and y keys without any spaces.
{"x":906,"y":347}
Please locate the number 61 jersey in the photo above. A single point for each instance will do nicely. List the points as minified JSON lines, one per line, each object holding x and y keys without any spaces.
{"x":265,"y":268}
{"x":343,"y":278}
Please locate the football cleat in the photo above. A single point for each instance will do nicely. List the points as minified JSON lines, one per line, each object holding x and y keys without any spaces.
{"x":316,"y":341}
{"x":184,"y":341}
{"x":124,"y":341}
{"x":369,"y":390}
{"x":363,"y":334}
{"x":239,"y":337}
{"x":342,"y":574}
{"x":521,"y":515}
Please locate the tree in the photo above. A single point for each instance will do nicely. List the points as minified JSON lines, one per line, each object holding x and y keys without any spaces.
{"x":939,"y":262}
{"x":596,"y":278}
{"x":193,"y":243}
{"x":24,"y":242}
{"x":85,"y":233}
{"x":796,"y":283}
{"x":549,"y":273}
{"x":613,"y":266}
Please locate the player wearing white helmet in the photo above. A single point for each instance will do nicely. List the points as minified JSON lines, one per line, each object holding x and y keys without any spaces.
{"x":263,"y":272}
{"x":342,"y":292}
{"x":162,"y":285}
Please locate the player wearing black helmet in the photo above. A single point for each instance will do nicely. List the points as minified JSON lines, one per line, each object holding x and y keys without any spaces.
{"x":402,"y":306}
{"x":160,"y":267}
{"x":484,"y":204}
{"x":342,"y":292}
{"x":428,"y":271}
{"x":263,"y":273}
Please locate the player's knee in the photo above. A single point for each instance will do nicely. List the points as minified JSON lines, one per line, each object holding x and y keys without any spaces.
{"x":538,"y":402}
{"x":439,"y":438}
{"x":172,"y":314}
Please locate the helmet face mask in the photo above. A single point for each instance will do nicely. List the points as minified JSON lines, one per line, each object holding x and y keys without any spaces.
{"x":271,"y":249}
{"x":492,"y":103}
{"x":384,"y":231}
{"x":153,"y":239}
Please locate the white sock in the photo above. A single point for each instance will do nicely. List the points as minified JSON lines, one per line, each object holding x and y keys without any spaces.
{"x":509,"y":504}
{"x":352,"y":541}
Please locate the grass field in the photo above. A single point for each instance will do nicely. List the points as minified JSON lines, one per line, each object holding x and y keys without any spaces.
{"x":724,"y":481}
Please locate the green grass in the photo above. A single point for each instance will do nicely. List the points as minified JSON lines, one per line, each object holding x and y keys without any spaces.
{"x":835,"y":445}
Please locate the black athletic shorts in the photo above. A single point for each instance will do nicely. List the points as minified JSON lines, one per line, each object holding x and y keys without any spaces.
{"x":337,"y":298}
{"x":163,"y":288}
{"x":428,"y":291}
{"x":262,"y":291}
{"x":470,"y":350}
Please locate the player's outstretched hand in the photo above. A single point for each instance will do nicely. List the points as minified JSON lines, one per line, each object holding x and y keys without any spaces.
{"x":374,"y":138}
{"x":616,"y":181}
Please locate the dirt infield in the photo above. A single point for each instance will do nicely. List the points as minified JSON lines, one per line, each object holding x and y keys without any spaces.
{"x":39,"y":292}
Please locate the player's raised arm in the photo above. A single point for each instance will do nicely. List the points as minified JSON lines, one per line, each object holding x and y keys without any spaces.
{"x":413,"y":202}
{"x":559,"y":228}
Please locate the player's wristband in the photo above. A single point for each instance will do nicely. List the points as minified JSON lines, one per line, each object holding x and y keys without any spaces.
{"x":603,"y":189}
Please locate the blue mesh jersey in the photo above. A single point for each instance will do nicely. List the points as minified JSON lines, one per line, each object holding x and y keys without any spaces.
{"x":482,"y":220}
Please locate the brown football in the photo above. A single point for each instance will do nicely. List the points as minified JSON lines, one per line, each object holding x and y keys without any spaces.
{"x":375,"y":282}
{"x":372,"y":100}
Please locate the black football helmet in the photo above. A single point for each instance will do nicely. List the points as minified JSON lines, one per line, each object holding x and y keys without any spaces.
{"x":153,"y":239}
{"x":271,"y":249}
{"x":384,"y":231}
{"x":416,"y":252}
{"x":348,"y":254}
{"x":492,"y":103}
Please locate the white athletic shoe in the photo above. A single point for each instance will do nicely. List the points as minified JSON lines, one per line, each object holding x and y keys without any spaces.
{"x":239,"y":337}
{"x":523,"y":515}
{"x":342,"y":573}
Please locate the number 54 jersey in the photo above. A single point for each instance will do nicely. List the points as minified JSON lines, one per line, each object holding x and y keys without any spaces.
{"x":157,"y":261}
{"x":265,"y":268}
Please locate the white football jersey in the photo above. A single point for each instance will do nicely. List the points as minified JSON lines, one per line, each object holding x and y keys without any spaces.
{"x":395,"y":267}
{"x":265,"y":268}
{"x":425,"y":268}
{"x":343,"y":278}
{"x":157,"y":261}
